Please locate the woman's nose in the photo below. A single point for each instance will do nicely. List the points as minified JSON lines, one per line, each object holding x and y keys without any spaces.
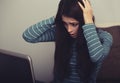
{"x":69,"y":29}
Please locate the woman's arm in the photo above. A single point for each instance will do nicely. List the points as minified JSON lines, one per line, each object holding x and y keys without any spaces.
{"x":43,"y":31}
{"x":98,"y":43}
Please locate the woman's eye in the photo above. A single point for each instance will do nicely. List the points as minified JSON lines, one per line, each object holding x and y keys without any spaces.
{"x":64,"y":23}
{"x":74,"y":25}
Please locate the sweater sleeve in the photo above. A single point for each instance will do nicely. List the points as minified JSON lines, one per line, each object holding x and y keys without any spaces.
{"x":42,"y":31}
{"x":98,"y":43}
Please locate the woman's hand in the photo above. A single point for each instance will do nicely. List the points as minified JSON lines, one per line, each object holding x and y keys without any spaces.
{"x":87,"y":11}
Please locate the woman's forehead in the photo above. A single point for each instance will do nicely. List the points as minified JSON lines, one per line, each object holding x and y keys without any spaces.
{"x":69,"y":19}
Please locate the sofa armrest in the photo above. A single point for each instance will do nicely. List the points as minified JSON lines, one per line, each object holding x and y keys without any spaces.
{"x":110,"y":69}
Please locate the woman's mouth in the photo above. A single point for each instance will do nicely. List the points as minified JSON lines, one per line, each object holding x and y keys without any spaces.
{"x":73,"y":35}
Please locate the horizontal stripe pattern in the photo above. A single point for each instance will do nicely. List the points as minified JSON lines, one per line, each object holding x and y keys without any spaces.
{"x":44,"y":31}
{"x":73,"y":76}
{"x":35,"y":32}
{"x":95,"y":46}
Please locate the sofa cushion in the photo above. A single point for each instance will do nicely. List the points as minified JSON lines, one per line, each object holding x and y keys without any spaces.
{"x":115,"y":32}
{"x":111,"y":65}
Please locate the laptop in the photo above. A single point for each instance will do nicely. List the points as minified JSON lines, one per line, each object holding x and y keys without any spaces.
{"x":15,"y":68}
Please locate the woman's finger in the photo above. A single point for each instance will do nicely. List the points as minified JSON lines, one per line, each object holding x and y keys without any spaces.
{"x":84,"y":2}
{"x":81,"y":5}
{"x":87,"y":4}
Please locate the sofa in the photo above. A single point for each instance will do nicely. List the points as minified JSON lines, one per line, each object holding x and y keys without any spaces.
{"x":110,"y":70}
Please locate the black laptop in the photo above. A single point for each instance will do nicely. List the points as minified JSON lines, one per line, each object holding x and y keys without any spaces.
{"x":15,"y":68}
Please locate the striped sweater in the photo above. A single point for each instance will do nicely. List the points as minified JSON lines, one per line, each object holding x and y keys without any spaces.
{"x":98,"y":43}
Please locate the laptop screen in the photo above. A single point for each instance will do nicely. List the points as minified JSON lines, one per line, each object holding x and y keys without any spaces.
{"x":15,"y":68}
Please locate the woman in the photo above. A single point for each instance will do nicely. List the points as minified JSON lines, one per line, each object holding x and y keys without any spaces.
{"x":80,"y":47}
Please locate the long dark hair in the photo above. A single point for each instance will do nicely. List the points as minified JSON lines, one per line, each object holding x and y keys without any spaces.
{"x":70,"y":8}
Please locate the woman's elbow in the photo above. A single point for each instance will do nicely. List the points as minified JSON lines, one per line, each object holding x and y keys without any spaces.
{"x":28,"y":39}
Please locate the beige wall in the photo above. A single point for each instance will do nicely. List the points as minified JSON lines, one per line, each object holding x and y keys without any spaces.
{"x":17,"y":15}
{"x":106,"y":12}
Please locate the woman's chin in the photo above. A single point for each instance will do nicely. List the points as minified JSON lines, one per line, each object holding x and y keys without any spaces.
{"x":73,"y":36}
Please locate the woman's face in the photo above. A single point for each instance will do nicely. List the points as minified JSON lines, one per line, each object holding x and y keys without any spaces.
{"x":71,"y":25}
